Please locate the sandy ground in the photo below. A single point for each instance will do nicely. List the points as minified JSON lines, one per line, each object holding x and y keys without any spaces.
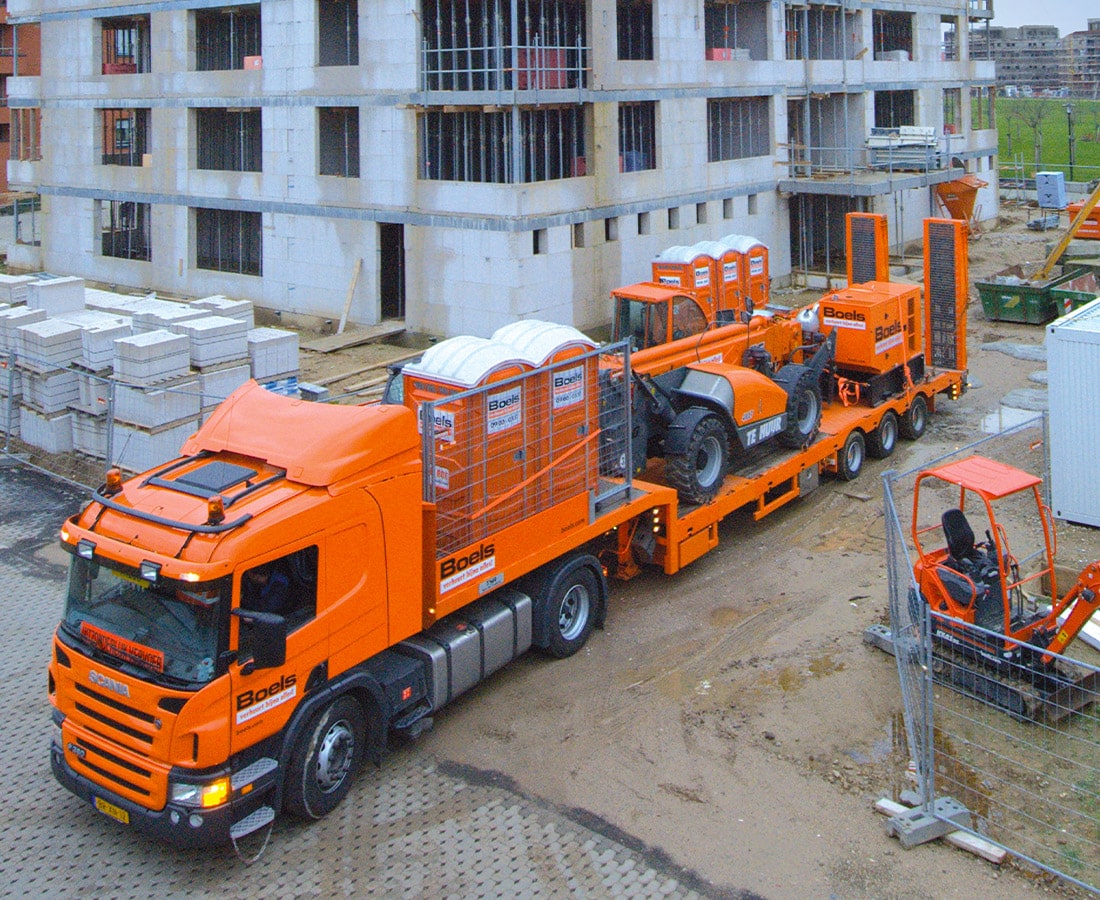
{"x":732,"y":715}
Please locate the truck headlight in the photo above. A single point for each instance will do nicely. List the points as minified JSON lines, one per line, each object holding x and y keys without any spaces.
{"x":215,"y":793}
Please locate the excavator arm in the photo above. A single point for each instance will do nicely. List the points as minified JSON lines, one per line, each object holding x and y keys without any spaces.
{"x":1082,"y":601}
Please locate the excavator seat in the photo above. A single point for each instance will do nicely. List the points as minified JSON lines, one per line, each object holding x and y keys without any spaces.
{"x":978,"y":564}
{"x":962,"y":554}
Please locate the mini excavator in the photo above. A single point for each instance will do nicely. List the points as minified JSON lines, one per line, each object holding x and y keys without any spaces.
{"x":992,"y":640}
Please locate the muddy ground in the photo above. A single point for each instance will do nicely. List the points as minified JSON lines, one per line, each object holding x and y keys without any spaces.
{"x":732,"y":715}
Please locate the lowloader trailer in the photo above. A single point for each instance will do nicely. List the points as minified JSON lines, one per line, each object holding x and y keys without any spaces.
{"x":244,"y":625}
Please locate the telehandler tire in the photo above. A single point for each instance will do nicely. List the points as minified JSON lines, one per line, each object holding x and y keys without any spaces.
{"x":915,"y":421}
{"x":882,"y":441}
{"x":803,"y":411}
{"x":849,"y":462}
{"x":699,"y":471}
{"x":323,"y":766}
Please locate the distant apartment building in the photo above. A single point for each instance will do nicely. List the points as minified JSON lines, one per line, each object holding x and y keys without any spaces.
{"x":1082,"y":61}
{"x":459,"y":164}
{"x":19,"y":54}
{"x":1029,"y":58}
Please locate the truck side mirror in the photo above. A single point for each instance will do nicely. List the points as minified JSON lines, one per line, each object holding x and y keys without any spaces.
{"x":262,"y":640}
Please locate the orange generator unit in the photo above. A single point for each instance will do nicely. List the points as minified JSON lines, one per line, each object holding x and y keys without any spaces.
{"x":879,"y":334}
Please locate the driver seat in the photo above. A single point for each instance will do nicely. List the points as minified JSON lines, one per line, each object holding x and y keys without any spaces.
{"x":961,"y":552}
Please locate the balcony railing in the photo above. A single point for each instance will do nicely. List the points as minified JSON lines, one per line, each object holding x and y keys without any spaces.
{"x":503,"y":67}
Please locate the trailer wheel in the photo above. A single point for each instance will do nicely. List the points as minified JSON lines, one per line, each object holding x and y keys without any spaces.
{"x":915,"y":421}
{"x":324,"y":764}
{"x":850,"y":461}
{"x":803,"y":411}
{"x":881,"y":441}
{"x":567,"y":605}
{"x":698,"y":472}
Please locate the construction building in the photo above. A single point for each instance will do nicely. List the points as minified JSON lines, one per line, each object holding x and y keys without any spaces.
{"x":1029,"y":58}
{"x":1082,"y":62}
{"x":462,"y":163}
{"x":24,"y":56}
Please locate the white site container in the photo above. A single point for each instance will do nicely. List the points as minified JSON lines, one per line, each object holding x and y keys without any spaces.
{"x":1073,"y":367}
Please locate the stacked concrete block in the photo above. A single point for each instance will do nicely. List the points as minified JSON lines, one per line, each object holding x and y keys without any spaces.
{"x":56,"y":295}
{"x":47,"y":345}
{"x":152,"y":408}
{"x":97,"y":344}
{"x":50,"y":432}
{"x":151,"y":315}
{"x":214,"y":340}
{"x":217,"y":384}
{"x":110,"y":302}
{"x":50,"y":393}
{"x":223,"y":306}
{"x":93,"y":393}
{"x":15,"y":317}
{"x":13,"y":288}
{"x":151,"y":357}
{"x":272,"y":354}
{"x":138,"y":449}
{"x":90,"y":434}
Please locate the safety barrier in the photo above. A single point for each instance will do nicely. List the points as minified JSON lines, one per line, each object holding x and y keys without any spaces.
{"x":1026,"y":779}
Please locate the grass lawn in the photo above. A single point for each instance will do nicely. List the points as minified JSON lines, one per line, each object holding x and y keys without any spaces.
{"x":1020,"y":119}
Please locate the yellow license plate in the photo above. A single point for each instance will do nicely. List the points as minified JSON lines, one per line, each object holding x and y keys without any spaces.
{"x":109,"y":809}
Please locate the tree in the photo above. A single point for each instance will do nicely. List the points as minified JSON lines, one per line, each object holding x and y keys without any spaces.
{"x":1033,"y":113}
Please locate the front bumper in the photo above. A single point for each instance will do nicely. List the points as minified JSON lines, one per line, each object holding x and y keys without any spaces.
{"x":181,"y":826}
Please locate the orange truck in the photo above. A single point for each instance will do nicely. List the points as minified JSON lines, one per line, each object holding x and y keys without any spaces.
{"x":244,"y":625}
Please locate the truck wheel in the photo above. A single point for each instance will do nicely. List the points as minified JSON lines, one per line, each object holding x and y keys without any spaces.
{"x":698,"y":472}
{"x":915,"y":421}
{"x":850,"y":462}
{"x":881,"y":441}
{"x":567,"y":605}
{"x":803,"y":411}
{"x":325,"y":762}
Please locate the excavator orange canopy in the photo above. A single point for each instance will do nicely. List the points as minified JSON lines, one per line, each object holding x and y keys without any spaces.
{"x":986,"y":477}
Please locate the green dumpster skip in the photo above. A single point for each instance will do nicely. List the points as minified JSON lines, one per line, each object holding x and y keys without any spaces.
{"x":1010,"y":297}
{"x":1082,"y":289}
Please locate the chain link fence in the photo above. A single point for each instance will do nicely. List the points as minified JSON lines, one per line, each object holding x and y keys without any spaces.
{"x":1018,"y":766}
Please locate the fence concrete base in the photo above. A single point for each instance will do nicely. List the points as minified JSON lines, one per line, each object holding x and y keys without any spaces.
{"x":921,"y":825}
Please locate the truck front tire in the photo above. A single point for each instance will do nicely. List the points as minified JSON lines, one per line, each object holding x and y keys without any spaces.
{"x":324,"y":764}
{"x":567,"y":604}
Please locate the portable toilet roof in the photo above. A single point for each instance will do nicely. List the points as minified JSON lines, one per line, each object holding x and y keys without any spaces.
{"x":743,"y":243}
{"x":677,"y":253}
{"x":535,"y":342}
{"x":464,"y":360}
{"x":713,"y":249}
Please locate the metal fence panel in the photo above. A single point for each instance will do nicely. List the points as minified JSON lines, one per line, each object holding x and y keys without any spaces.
{"x":1029,"y":774}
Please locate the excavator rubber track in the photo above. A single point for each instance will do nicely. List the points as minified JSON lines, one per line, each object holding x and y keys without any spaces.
{"x":1032,"y":696}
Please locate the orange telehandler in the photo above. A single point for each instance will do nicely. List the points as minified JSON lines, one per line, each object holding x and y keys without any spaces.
{"x":979,"y":585}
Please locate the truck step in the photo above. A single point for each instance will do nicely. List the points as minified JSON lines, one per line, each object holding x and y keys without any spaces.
{"x":414,"y":721}
{"x":252,"y":822}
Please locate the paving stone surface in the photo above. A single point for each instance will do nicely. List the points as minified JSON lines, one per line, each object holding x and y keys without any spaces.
{"x":419,"y":827}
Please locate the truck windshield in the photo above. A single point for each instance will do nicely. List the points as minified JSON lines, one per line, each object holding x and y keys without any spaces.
{"x":165,"y":630}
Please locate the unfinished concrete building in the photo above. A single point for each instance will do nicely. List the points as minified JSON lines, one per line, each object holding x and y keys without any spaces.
{"x":463,"y":163}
